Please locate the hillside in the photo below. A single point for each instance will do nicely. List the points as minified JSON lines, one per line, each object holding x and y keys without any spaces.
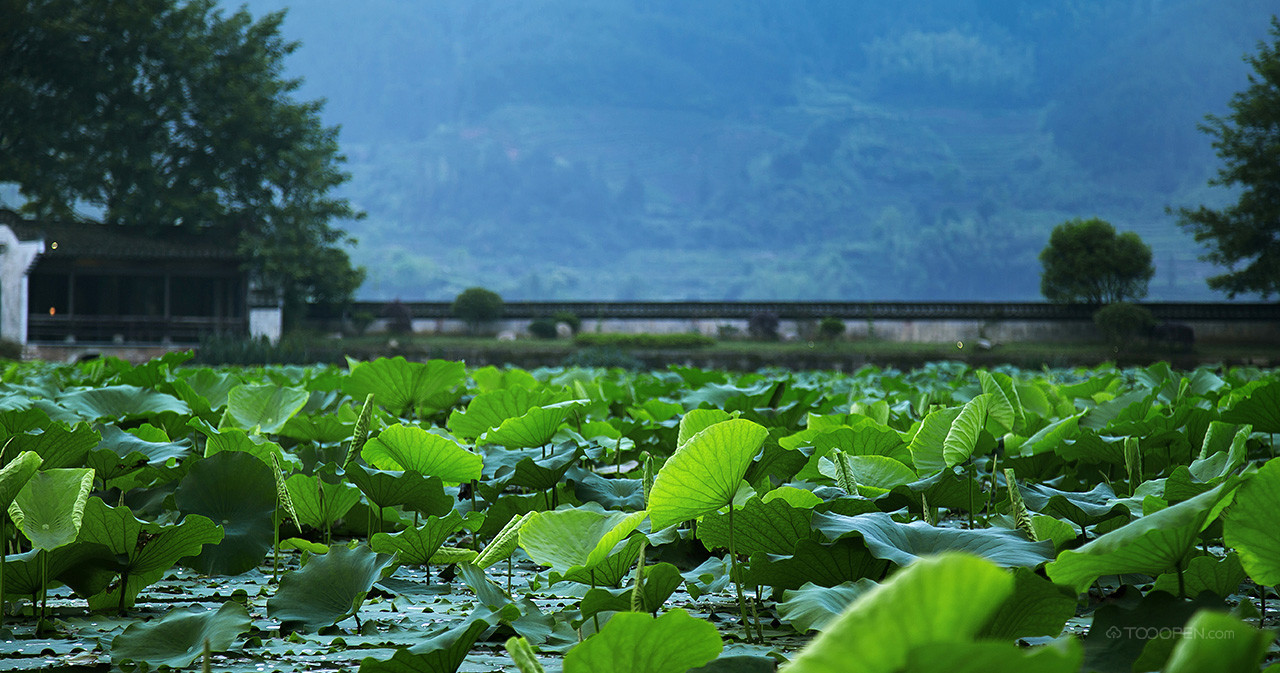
{"x":608,"y":149}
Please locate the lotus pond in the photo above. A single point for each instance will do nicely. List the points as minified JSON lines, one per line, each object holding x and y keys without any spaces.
{"x":422,"y":516}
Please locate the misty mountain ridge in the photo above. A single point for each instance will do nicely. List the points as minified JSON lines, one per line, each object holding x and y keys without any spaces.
{"x":612,"y":149}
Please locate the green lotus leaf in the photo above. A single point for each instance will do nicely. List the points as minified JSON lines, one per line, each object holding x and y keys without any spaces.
{"x":1048,"y":438}
{"x":49,"y":508}
{"x":262,"y":408}
{"x":906,"y":543}
{"x":1062,"y":656}
{"x":15,"y":474}
{"x":1005,"y":408}
{"x":1261,"y":409}
{"x":181,"y":635}
{"x":1224,"y":450}
{"x":408,"y":447}
{"x":660,"y":581}
{"x":318,"y":428}
{"x":121,"y":403}
{"x":1037,"y":607}
{"x":1252,"y":524}
{"x":534,"y":428}
{"x":798,"y":498}
{"x":85,"y":568}
{"x":211,"y":387}
{"x":697,"y":420}
{"x":824,"y":565}
{"x":1135,"y":632}
{"x":122,"y":452}
{"x":774,"y":527}
{"x":319,"y":503}
{"x":389,"y":489}
{"x":1152,"y":544}
{"x":874,"y":476}
{"x":703,"y":475}
{"x":1083,"y":508}
{"x":490,"y":378}
{"x":811,"y":607}
{"x":442,"y":653}
{"x":575,"y":537}
{"x":928,"y":446}
{"x":59,"y":445}
{"x":144,"y":551}
{"x":608,"y":571}
{"x":943,"y":489}
{"x":415,"y":546}
{"x":1218,"y":576}
{"x":235,"y":439}
{"x":528,"y":467}
{"x":488,"y":410}
{"x":611,"y":493}
{"x":634,"y":642}
{"x":403,"y":387}
{"x":329,"y":588}
{"x":944,"y":599}
{"x":1213,"y":641}
{"x":238,"y":492}
{"x":966,"y":430}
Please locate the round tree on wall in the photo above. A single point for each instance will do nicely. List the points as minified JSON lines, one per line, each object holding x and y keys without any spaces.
{"x":1087,"y":262}
{"x":477,"y":306}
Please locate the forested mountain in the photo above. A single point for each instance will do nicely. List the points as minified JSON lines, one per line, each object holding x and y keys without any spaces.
{"x":772,"y":149}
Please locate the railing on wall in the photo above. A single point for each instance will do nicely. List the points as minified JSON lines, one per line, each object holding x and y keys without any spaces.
{"x":130,"y":329}
{"x":816,"y":310}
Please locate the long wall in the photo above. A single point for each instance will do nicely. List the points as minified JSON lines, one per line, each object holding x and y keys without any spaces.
{"x":894,"y":321}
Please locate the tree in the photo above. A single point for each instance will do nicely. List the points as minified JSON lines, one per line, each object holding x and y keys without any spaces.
{"x":476,"y":306}
{"x":1245,"y":236}
{"x":1086,"y":262}
{"x":166,"y":114}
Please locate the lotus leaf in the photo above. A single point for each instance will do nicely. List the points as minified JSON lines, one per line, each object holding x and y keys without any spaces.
{"x":1062,"y":656}
{"x":826,"y":565}
{"x":59,"y":445}
{"x":489,"y":409}
{"x":533,"y":428}
{"x":181,"y":635}
{"x":389,"y":489}
{"x":238,"y":492}
{"x":1261,"y":409}
{"x":329,"y":588}
{"x":635,"y":642}
{"x":120,"y":403}
{"x":703,"y":475}
{"x":1037,"y":607}
{"x":906,"y":543}
{"x":1152,"y":544}
{"x":941,"y":600}
{"x":928,"y":446}
{"x":416,"y":545}
{"x":611,"y":493}
{"x":1213,"y":641}
{"x":811,"y":607}
{"x":583,"y":537}
{"x":774,"y":527}
{"x":319,"y":503}
{"x":1218,"y":576}
{"x":49,"y":508}
{"x":403,"y":387}
{"x":408,"y":447}
{"x":1252,"y":524}
{"x":262,"y":408}
{"x":965,"y":431}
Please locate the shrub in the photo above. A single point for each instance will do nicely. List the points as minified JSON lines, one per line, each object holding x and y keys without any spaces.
{"x":644,"y":340}
{"x":399,"y":318}
{"x":543,"y":328}
{"x":477,"y":306}
{"x":235,"y":350}
{"x":569,"y":318}
{"x":1123,"y":323}
{"x":10,"y":350}
{"x":763,"y":325}
{"x":831,"y":328}
{"x":603,"y":356}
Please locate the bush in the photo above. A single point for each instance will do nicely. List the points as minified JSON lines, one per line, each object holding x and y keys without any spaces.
{"x":831,"y":328}
{"x":569,"y":318}
{"x":1123,"y":323}
{"x":10,"y":350}
{"x":1087,"y":262}
{"x":603,"y":356}
{"x":763,"y":325}
{"x":234,"y":350}
{"x":543,"y":328}
{"x":644,"y":340}
{"x":477,"y":306}
{"x":399,"y":318}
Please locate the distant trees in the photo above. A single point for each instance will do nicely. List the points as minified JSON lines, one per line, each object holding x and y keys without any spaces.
{"x":1087,"y":262}
{"x":1245,"y":236}
{"x":169,"y":114}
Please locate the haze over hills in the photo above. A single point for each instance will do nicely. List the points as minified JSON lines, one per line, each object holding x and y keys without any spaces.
{"x":777,"y":149}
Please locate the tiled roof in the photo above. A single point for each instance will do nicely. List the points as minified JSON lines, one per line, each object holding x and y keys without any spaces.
{"x":104,"y":241}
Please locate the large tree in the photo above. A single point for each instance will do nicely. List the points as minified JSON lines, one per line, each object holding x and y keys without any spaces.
{"x":1087,"y":262}
{"x":1245,"y":236}
{"x":165,"y":114}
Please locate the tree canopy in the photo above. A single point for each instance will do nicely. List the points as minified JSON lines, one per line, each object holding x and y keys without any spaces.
{"x":1087,"y":262}
{"x":1245,"y":236}
{"x":166,"y":114}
